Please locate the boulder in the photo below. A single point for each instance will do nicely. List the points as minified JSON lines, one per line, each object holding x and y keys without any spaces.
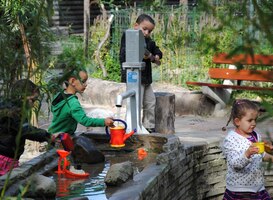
{"x":186,"y":102}
{"x":119,"y":173}
{"x":40,"y":187}
{"x":85,"y":151}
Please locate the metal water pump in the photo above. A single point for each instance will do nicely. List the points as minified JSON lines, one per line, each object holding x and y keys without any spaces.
{"x":135,"y":49}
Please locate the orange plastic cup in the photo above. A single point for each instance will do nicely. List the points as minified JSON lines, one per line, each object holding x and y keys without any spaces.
{"x":142,"y":153}
{"x":260,"y":145}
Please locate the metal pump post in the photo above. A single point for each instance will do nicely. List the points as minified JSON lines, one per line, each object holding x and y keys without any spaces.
{"x":135,"y":49}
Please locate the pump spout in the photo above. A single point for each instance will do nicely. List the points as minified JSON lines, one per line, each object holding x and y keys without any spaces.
{"x":123,"y":96}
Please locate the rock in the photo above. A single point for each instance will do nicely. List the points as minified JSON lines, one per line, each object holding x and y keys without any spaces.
{"x":85,"y":151}
{"x":41,"y":187}
{"x":186,"y":102}
{"x":119,"y":173}
{"x":104,"y":92}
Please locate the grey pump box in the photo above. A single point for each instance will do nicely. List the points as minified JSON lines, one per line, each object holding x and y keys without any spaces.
{"x":135,"y":45}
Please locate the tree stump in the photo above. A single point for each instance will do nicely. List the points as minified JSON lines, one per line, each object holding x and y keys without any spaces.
{"x":164,"y":112}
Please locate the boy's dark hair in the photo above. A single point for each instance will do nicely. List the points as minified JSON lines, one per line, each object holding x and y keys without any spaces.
{"x":144,"y":17}
{"x":72,"y":72}
{"x":239,"y":109}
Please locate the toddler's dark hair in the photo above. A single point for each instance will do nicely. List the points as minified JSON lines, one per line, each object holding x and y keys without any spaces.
{"x":23,"y":87}
{"x":239,"y":109}
{"x":144,"y":17}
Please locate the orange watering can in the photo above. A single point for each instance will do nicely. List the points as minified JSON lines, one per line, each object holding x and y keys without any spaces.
{"x":118,"y":135}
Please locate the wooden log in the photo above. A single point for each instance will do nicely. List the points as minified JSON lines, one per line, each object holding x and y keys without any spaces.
{"x":164,"y":113}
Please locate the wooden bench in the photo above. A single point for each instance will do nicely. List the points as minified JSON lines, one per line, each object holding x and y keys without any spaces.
{"x":220,"y":93}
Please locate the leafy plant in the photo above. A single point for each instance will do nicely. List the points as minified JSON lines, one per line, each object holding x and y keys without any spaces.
{"x":112,"y":67}
{"x":24,"y":36}
{"x":24,"y":39}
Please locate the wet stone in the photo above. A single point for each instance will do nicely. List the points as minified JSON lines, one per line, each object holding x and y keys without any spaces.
{"x":40,"y":186}
{"x":83,"y":148}
{"x":119,"y":173}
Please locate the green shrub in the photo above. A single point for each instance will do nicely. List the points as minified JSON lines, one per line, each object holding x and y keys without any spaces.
{"x":113,"y":69}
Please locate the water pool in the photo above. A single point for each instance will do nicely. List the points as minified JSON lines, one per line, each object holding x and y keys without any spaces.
{"x":91,"y":188}
{"x":94,"y":187}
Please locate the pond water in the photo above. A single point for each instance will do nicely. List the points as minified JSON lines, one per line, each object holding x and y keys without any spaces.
{"x":94,"y":187}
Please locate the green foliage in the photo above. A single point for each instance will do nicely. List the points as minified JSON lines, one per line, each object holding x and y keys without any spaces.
{"x":190,"y":37}
{"x":265,"y":96}
{"x":71,"y":58}
{"x":23,"y":29}
{"x":185,"y":38}
{"x":111,"y":64}
{"x":248,"y":21}
{"x":23,"y":20}
{"x":73,"y":52}
{"x":113,"y":69}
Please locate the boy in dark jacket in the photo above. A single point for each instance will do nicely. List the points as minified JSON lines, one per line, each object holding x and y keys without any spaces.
{"x":152,"y":55}
{"x":14,"y":124}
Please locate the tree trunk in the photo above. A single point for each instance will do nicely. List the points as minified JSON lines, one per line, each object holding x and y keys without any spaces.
{"x":31,"y":66}
{"x":86,"y":17}
{"x":26,"y":49}
{"x":164,"y":113}
{"x":104,"y":39}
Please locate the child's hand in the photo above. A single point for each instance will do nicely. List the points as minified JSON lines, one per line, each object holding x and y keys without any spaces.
{"x":147,"y":54}
{"x":109,"y":121}
{"x":252,"y":149}
{"x":56,"y":139}
{"x":157,"y":60}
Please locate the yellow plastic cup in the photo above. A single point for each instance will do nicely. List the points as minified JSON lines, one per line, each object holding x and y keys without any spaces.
{"x":260,"y":145}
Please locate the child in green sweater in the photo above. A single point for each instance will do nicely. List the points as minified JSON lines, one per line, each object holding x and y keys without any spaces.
{"x":67,"y":110}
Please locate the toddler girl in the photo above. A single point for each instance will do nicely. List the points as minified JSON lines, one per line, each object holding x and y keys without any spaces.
{"x":244,"y":179}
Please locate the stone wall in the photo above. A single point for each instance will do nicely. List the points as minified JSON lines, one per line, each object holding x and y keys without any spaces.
{"x":184,"y":172}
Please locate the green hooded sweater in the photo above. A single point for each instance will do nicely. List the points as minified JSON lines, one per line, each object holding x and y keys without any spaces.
{"x":67,"y":113}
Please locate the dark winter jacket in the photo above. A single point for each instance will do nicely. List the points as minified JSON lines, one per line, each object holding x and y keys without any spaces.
{"x":14,"y":131}
{"x":146,"y":74}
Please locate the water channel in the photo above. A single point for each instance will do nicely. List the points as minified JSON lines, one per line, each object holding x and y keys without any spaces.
{"x":94,"y":187}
